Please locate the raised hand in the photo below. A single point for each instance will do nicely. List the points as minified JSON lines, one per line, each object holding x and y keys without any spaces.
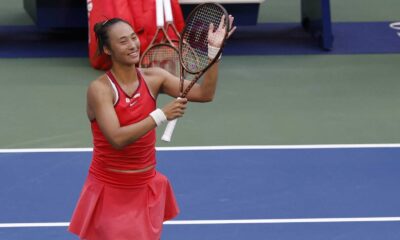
{"x":216,"y":36}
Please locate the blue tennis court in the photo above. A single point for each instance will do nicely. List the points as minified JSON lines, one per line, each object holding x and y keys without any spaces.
{"x":243,"y":192}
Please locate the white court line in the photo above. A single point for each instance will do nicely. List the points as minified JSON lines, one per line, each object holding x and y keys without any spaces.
{"x":205,"y":148}
{"x":44,"y":150}
{"x":218,"y":222}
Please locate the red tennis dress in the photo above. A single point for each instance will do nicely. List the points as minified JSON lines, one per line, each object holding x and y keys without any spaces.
{"x":124,"y":206}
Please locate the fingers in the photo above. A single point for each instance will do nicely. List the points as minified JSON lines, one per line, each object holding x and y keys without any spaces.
{"x":231,"y":27}
{"x":210,"y":29}
{"x":182,"y":104}
{"x":231,"y":31}
{"x":216,"y":37}
{"x":231,"y":18}
{"x":175,"y":108}
{"x":221,"y":23}
{"x":230,"y":22}
{"x":179,"y":108}
{"x":182,"y":100}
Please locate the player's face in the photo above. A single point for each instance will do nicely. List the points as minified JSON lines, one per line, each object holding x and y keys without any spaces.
{"x":124,"y":44}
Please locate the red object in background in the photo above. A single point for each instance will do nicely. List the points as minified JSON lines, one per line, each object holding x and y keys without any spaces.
{"x":140,"y":14}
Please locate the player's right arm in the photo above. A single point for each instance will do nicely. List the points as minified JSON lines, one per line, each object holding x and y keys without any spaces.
{"x":100,"y":103}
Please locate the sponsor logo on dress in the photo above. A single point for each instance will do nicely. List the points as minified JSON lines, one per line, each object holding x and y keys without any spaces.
{"x":130,"y":100}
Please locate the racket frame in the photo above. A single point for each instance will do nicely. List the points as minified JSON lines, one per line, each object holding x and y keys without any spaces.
{"x":169,"y":19}
{"x":181,"y":41}
{"x":212,"y":61}
{"x":160,"y":29}
{"x":171,"y":124}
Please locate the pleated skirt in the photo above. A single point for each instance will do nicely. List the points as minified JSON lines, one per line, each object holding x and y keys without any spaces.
{"x":109,"y":212}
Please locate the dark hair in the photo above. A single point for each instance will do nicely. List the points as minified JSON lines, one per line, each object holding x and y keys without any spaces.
{"x":101,"y":31}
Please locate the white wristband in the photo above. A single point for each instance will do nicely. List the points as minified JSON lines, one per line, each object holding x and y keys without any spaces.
{"x":213,"y":51}
{"x":158,"y":116}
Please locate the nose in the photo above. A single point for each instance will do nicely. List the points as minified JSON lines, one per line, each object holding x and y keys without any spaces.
{"x":133,"y":44}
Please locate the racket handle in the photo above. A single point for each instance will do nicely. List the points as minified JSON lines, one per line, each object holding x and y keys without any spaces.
{"x":168,"y":11}
{"x":160,"y":13}
{"x":169,"y":130}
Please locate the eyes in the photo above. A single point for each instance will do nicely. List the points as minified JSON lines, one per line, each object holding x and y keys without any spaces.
{"x":125,"y":40}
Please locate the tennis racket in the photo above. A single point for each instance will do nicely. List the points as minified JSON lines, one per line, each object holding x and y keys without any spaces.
{"x":194,"y":44}
{"x":169,"y":19}
{"x":161,"y":54}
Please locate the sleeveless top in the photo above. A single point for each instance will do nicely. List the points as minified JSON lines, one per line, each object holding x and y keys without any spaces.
{"x":139,"y":154}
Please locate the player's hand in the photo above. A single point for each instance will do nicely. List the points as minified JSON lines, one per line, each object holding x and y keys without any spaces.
{"x":216,"y":36}
{"x":175,"y":109}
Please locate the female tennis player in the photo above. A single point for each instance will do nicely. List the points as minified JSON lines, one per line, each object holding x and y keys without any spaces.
{"x":124,"y":197}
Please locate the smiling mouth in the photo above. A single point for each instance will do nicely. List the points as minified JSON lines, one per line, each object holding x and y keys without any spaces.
{"x":134,"y":54}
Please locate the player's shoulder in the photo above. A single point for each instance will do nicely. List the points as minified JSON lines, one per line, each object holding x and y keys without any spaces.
{"x":100,"y":85}
{"x":100,"y":82}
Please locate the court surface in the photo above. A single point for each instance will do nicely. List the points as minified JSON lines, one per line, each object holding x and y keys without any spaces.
{"x":242,"y":192}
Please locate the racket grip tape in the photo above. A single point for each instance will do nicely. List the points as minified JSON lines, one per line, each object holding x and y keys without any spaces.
{"x":168,"y":11}
{"x":169,"y":130}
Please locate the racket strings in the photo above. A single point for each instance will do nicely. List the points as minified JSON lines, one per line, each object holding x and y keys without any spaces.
{"x":195,"y":39}
{"x":163,"y":56}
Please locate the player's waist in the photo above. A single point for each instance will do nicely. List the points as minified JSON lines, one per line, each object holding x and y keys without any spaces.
{"x":131,"y":171}
{"x":122,"y":177}
{"x":134,"y":155}
{"x":136,"y":163}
